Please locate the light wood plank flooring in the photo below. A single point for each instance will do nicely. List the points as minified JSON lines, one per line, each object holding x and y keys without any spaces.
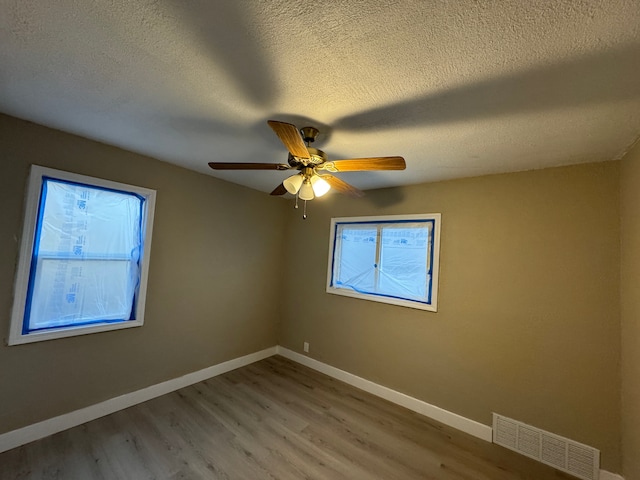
{"x":274,"y":419}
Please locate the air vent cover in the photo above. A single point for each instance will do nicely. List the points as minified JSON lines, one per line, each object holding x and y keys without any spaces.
{"x":559,"y":452}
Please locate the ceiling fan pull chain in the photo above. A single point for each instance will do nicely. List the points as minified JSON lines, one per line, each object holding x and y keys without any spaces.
{"x":296,"y":205}
{"x":304,"y":212}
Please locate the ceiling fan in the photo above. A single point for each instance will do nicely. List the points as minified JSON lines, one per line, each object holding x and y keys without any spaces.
{"x":310,"y":181}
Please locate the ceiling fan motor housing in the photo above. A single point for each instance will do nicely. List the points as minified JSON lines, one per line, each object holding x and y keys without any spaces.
{"x":316,"y":156}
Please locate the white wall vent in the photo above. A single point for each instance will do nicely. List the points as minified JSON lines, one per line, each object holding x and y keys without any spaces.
{"x":559,"y":452}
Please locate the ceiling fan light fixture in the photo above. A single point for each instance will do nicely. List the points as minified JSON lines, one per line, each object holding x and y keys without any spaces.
{"x":293,"y":183}
{"x":306,"y":191}
{"x":320,"y":185}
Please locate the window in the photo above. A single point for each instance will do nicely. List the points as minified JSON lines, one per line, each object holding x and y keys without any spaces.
{"x":84,"y":257}
{"x":391,"y":259}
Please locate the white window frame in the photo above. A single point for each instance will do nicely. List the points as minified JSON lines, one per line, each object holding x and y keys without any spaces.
{"x":34,"y":187}
{"x":375,"y":220}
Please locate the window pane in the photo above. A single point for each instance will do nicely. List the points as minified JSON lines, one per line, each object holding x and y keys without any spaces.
{"x":390,"y":259}
{"x":72,"y":292}
{"x":85,"y":262}
{"x":356,"y":267}
{"x":403,"y":262}
{"x":79,"y":220}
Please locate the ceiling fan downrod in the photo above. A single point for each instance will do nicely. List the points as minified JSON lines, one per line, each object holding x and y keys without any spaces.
{"x":309,"y":134}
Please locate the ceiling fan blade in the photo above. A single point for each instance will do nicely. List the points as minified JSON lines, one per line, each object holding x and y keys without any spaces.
{"x":342,"y":186}
{"x":279,"y":190}
{"x":361,"y":164}
{"x":248,"y":166}
{"x":290,"y":136}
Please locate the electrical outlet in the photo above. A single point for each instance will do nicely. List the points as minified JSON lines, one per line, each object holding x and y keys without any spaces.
{"x":306,"y":347}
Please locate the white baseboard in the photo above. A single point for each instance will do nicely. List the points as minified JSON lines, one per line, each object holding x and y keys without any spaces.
{"x":454,"y":420}
{"x":53,"y":425}
{"x":441,"y":415}
{"x":604,"y":475}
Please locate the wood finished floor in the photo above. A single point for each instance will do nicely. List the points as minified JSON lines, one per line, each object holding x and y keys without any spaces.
{"x":274,"y":419}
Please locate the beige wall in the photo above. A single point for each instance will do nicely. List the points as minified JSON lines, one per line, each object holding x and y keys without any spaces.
{"x":630,"y":312}
{"x":211,"y":295}
{"x":528,"y":323}
{"x":529,"y":318}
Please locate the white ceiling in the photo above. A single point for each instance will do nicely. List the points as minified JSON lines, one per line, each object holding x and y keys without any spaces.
{"x":459,"y":88}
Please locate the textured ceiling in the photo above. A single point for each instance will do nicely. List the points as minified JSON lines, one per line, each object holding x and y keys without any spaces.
{"x":459,"y":88}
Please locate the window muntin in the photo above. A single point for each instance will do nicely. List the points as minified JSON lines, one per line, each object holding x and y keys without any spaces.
{"x":391,"y":259}
{"x":84,"y":256}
